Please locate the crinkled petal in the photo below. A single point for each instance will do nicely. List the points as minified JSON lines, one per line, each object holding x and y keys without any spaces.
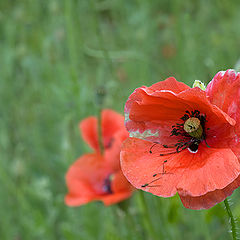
{"x":219,"y":125}
{"x":150,"y":116}
{"x":224,"y":92}
{"x":190,"y":174}
{"x":235,"y":147}
{"x":211,"y":198}
{"x":170,"y":84}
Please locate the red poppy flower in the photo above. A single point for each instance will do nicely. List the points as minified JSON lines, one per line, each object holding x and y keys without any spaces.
{"x":185,"y":140}
{"x":97,"y":176}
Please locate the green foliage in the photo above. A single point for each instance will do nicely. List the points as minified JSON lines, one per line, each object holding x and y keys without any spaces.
{"x":55,"y":56}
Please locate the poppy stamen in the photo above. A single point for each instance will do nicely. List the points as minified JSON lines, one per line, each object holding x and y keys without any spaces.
{"x":154,"y":144}
{"x":148,"y":184}
{"x":206,"y":143}
{"x":192,"y":132}
{"x":156,"y":174}
{"x":163,"y":170}
{"x":171,"y":146}
{"x":180,"y":147}
{"x":178,"y":150}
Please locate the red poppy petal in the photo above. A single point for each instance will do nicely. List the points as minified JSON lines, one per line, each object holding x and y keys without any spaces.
{"x":197,"y":99}
{"x":193,"y":174}
{"x":221,"y":167}
{"x":112,"y":122}
{"x":150,"y":116}
{"x":112,"y":153}
{"x":219,"y":126}
{"x":170,"y":84}
{"x":211,"y":198}
{"x":120,"y":187}
{"x":88,"y":128}
{"x":120,"y":183}
{"x":235,"y":146}
{"x":139,"y":166}
{"x":224,"y":92}
{"x":85,"y":178}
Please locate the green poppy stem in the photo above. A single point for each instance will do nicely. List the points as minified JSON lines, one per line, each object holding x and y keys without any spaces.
{"x":146,"y":217}
{"x":99,"y":128}
{"x":100,"y":95}
{"x":232,"y":220}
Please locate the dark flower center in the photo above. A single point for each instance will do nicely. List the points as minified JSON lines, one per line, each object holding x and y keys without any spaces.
{"x":191,"y":132}
{"x":107,"y":184}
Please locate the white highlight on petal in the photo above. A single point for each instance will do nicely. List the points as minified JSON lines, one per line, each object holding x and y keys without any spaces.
{"x":233,"y":71}
{"x":192,"y":151}
{"x":144,"y":134}
{"x":229,"y":71}
{"x":126,"y":115}
{"x":167,"y":91}
{"x":222,"y":72}
{"x":137,"y":134}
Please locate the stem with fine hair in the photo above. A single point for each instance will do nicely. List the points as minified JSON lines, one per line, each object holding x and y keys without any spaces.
{"x":232,"y":220}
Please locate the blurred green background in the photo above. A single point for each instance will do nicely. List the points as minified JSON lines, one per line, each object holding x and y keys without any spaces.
{"x":54,"y":56}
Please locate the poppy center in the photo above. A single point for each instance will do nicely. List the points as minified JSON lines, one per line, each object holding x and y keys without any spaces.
{"x":191,"y":133}
{"x":193,"y":127}
{"x":107,"y":188}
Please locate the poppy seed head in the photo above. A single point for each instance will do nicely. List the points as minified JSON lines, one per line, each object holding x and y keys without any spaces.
{"x":193,"y":127}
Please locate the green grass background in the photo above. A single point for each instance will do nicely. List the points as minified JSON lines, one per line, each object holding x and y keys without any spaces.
{"x":54,"y":56}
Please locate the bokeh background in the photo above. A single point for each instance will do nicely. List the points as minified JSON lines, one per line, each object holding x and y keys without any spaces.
{"x":54,"y":56}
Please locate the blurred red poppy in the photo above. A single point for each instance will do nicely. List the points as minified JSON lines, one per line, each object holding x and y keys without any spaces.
{"x":97,"y":176}
{"x":185,"y":140}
